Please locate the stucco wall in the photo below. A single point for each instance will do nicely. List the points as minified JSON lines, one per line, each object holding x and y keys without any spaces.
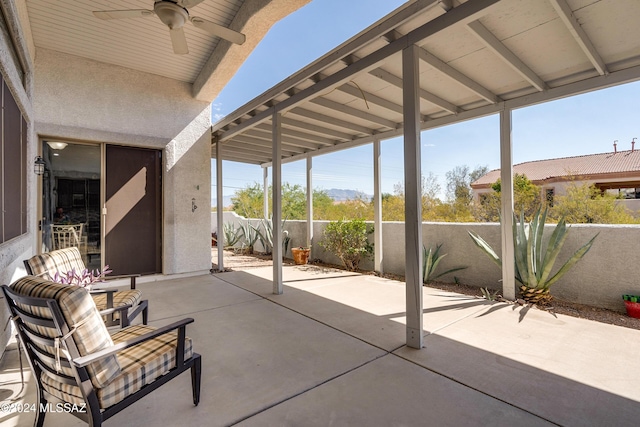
{"x":99,"y":102}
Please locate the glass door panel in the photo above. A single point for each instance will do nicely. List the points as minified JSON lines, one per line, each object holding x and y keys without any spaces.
{"x":71,"y":199}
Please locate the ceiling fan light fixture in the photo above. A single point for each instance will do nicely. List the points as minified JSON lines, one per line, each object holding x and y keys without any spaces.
{"x":172,"y":15}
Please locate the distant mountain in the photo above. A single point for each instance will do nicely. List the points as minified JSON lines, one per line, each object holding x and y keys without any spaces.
{"x":226,"y":201}
{"x":341,"y":195}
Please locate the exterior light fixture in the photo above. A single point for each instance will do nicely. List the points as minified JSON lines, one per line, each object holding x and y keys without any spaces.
{"x":38,"y":166}
{"x":57,"y":145}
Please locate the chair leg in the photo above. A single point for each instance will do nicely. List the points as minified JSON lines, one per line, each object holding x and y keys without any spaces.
{"x":196,"y":371}
{"x":41,"y":403}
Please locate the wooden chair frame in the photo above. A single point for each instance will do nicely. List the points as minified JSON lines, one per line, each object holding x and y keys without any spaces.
{"x":94,"y":416}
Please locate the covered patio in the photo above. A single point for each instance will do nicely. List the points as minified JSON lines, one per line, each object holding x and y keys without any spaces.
{"x":331,"y":351}
{"x":428,"y":64}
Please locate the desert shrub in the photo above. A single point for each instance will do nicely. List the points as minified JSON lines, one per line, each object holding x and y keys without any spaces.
{"x":348,"y":240}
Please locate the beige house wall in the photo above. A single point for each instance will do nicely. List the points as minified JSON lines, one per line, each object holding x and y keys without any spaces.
{"x":105,"y":103}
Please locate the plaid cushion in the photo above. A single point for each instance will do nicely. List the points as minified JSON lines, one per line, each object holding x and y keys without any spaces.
{"x":141,"y":365}
{"x":120,"y":298}
{"x":62,"y":260}
{"x":77,"y":308}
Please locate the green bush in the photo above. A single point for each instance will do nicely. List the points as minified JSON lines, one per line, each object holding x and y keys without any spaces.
{"x":348,"y":240}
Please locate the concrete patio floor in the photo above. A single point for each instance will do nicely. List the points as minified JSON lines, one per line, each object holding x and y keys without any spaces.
{"x":330,"y":351}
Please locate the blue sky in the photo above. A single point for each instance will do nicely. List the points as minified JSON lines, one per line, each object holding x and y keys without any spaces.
{"x":584,"y":124}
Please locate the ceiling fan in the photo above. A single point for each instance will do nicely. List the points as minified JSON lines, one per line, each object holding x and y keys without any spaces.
{"x":174,"y":14}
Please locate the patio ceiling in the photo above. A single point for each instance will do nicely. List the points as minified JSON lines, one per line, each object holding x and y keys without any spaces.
{"x":477,"y":58}
{"x":144,"y":43}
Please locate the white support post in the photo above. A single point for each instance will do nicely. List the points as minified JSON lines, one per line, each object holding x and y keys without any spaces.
{"x":506,"y":224}
{"x":265,"y":191}
{"x":277,"y":202}
{"x":309,"y":201}
{"x":377,"y":208}
{"x":219,"y":207}
{"x":413,"y":199}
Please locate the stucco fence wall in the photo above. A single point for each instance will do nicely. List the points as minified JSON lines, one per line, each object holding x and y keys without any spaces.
{"x":608,"y":271}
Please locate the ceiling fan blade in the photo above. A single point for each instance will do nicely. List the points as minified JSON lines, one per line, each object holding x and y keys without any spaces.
{"x":179,"y":41}
{"x":189,"y":3}
{"x":218,"y":30}
{"x":120,"y":14}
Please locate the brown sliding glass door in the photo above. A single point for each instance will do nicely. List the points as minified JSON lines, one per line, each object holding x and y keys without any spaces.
{"x":133,"y":220}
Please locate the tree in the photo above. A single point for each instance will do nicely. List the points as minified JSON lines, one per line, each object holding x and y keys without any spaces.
{"x":459,"y":181}
{"x":526,"y":199}
{"x":248,"y":202}
{"x":584,"y":203}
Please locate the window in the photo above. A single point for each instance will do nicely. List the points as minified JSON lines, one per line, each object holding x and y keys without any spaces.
{"x":13,"y":164}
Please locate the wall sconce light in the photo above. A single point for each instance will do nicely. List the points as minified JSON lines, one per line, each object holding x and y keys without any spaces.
{"x":38,"y":166}
{"x":57,"y":145}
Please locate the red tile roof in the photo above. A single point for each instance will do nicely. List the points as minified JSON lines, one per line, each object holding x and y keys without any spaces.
{"x":592,"y":164}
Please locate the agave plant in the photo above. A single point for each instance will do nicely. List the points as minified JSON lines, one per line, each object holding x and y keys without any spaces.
{"x":231,"y":235}
{"x":265,"y":235}
{"x":430,"y":261}
{"x":250,"y":236}
{"x":534,"y":261}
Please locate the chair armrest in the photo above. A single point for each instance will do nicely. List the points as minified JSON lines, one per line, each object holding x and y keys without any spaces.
{"x":123,"y":308}
{"x":93,"y":357}
{"x":132,"y":277}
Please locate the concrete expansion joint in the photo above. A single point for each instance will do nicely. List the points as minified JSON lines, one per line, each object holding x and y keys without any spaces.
{"x":450,"y":378}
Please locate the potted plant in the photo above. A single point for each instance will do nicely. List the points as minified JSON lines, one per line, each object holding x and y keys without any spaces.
{"x":300,"y":255}
{"x":632,"y":304}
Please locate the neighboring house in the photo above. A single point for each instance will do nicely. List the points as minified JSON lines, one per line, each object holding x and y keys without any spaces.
{"x":616,"y":172}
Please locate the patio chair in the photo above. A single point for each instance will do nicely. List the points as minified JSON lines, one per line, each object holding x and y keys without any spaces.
{"x":76,"y":362}
{"x":69,"y":235}
{"x":107,"y":301}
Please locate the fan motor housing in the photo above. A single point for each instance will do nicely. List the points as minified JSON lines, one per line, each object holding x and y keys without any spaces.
{"x":172,"y":15}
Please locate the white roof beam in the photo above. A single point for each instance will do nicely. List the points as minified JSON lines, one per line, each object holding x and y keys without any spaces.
{"x":466,"y":12}
{"x":303,"y":136}
{"x":350,"y":111}
{"x":409,"y":10}
{"x":495,"y":45}
{"x":287,"y":141}
{"x":566,"y":15}
{"x":332,"y":121}
{"x":583,"y":86}
{"x":257,"y":145}
{"x":287,"y":121}
{"x":427,"y":96}
{"x":369,"y":97}
{"x":458,"y":77}
{"x":238,"y":153}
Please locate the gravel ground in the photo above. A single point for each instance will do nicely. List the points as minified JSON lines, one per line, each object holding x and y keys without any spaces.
{"x":235,"y":261}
